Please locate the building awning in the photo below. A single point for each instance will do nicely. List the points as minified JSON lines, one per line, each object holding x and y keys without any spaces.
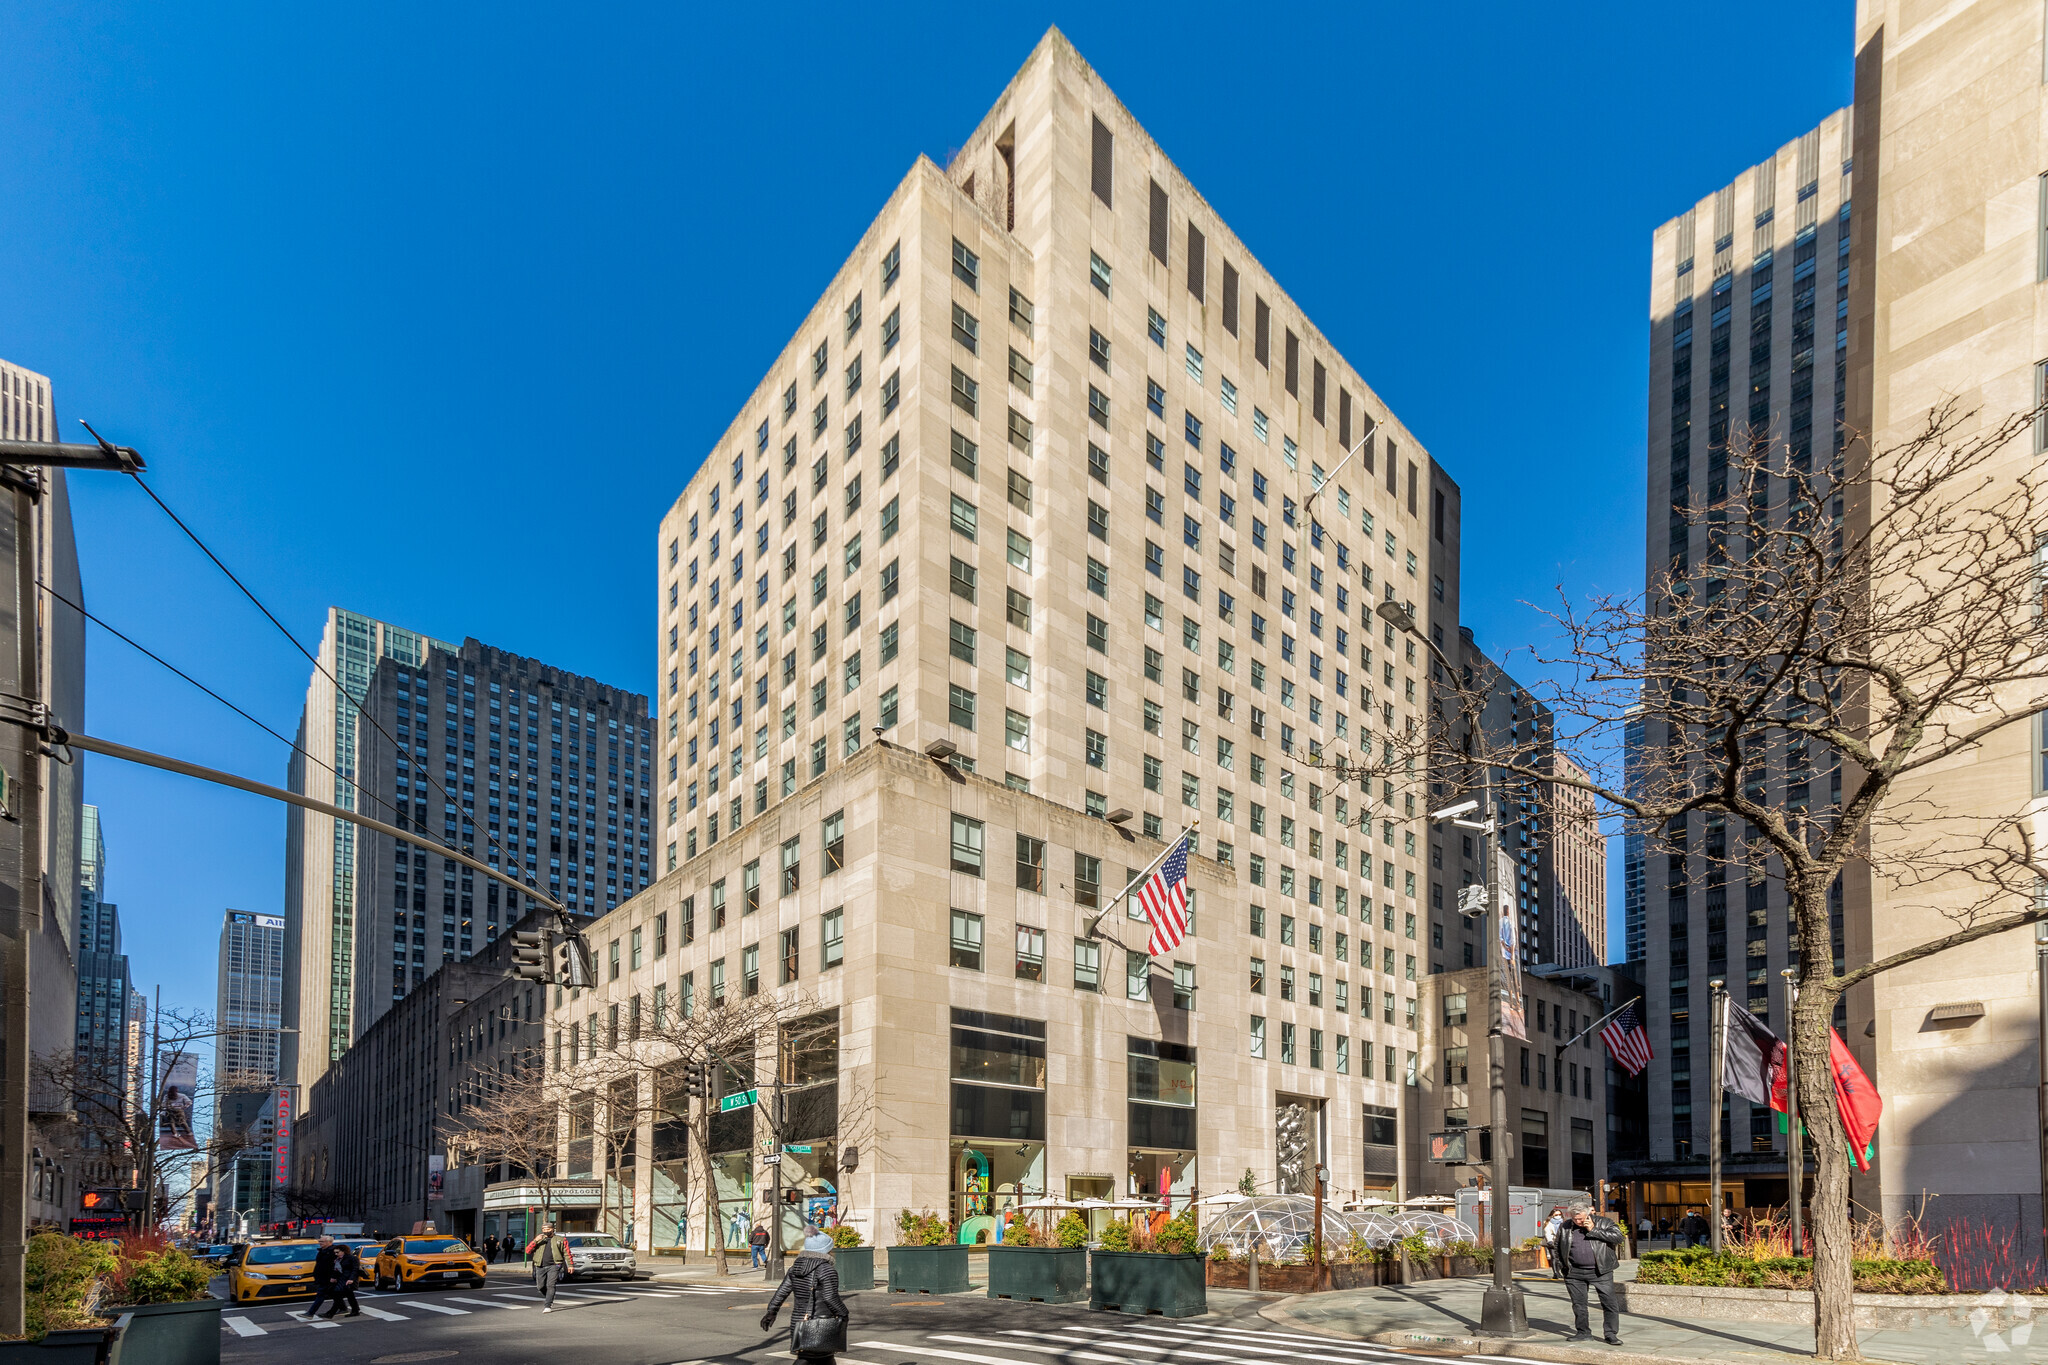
{"x":569,"y":1194}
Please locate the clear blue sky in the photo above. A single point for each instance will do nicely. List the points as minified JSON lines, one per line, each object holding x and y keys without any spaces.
{"x":430,"y":310}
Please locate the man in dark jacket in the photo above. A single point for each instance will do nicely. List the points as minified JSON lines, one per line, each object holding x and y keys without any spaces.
{"x":1582,"y":1255}
{"x":1693,"y":1227}
{"x":327,"y":1277}
{"x":348,"y":1266}
{"x":813,"y":1282}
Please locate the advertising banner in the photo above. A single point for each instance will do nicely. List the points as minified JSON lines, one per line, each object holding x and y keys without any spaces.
{"x":175,"y":1088}
{"x":436,"y":1167}
{"x":1513,"y":1011}
{"x":281,"y":1139}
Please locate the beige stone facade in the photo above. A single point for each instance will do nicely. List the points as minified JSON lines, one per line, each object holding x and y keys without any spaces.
{"x":1948,"y":302}
{"x":1031,"y":480}
{"x":1556,"y":1082}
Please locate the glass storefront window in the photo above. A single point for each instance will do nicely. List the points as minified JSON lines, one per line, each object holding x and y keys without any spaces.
{"x":998,"y":1118}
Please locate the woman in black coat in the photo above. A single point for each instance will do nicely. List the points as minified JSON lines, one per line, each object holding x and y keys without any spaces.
{"x":812,"y":1282}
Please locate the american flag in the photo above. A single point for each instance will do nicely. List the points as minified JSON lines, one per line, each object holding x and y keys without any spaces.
{"x":1165,"y":901}
{"x":1626,"y":1041}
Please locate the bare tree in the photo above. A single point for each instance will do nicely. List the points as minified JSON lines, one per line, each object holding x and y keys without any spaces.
{"x":1871,"y":625}
{"x":142,"y":1134}
{"x":514,"y":1118}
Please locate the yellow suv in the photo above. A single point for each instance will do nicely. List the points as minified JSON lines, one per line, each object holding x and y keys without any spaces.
{"x":416,"y":1262}
{"x":272,"y":1270}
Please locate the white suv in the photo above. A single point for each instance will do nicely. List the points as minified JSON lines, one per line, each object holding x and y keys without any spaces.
{"x":599,"y":1253}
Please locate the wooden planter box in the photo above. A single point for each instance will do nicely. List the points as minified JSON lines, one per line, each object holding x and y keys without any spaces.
{"x":1455,"y":1267}
{"x":1528,"y":1260}
{"x":856,"y":1267}
{"x":1039,"y":1274}
{"x":81,"y":1346}
{"x":928,"y":1270}
{"x":1364,"y":1274}
{"x":1273,"y":1279}
{"x":1148,"y":1282}
{"x":168,"y":1334}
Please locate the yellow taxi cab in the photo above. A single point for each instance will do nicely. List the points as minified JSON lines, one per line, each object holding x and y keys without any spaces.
{"x":272,"y":1270}
{"x":366,"y":1251}
{"x":417,"y":1262}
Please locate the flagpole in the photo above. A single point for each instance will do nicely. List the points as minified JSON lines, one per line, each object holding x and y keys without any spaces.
{"x":1719,"y":1035}
{"x":1139,"y":880}
{"x":1795,"y":1138}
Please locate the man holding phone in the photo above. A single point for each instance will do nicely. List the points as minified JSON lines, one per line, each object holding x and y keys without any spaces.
{"x":1582,"y":1254}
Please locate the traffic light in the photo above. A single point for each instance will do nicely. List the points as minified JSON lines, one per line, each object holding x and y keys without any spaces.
{"x":696,"y":1081}
{"x":576,"y":966}
{"x":100,"y":1201}
{"x":530,"y":956}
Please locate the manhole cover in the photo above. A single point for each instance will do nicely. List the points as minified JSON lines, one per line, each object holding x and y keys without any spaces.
{"x":406,"y":1357}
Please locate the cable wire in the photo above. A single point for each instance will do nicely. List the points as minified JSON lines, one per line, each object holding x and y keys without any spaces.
{"x":293,"y":745}
{"x":515,"y":879}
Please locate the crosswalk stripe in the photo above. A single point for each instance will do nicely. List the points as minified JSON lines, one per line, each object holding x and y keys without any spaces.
{"x":962,"y":1355}
{"x":383,"y":1316}
{"x":486,"y":1303}
{"x":298,"y":1315}
{"x":437,"y":1308}
{"x":1176,"y":1346}
{"x":1252,"y":1341}
{"x":242,"y":1327}
{"x":1326,"y":1348}
{"x":592,"y":1298}
{"x":1064,"y":1352}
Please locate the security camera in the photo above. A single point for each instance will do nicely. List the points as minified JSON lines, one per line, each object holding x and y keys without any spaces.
{"x":1453,"y":812}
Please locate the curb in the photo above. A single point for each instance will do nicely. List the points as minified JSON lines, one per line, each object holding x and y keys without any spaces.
{"x":1524,"y":1348}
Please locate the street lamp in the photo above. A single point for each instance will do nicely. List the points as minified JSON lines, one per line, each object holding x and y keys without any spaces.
{"x":1503,"y":1311}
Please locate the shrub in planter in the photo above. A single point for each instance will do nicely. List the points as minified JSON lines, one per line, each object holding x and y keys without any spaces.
{"x":1071,"y":1231}
{"x":1117,"y":1236}
{"x":1701,"y":1267}
{"x":159,"y":1295}
{"x":927,"y":1257}
{"x":61,"y":1276}
{"x":1020,"y":1233}
{"x":854,"y":1262}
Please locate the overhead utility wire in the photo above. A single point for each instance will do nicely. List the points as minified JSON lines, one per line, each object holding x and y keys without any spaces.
{"x":515,"y":878}
{"x":293,"y":745}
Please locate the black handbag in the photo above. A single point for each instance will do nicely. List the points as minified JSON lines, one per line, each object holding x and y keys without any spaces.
{"x":818,"y":1335}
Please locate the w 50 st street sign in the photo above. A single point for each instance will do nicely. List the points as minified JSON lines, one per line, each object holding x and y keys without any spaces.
{"x":742,"y":1100}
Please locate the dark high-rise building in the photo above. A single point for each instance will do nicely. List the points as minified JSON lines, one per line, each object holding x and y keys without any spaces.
{"x":528,"y":767}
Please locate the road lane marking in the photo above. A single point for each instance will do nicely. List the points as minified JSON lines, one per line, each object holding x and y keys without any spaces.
{"x":486,"y":1303}
{"x":383,"y":1316}
{"x":242,"y":1327}
{"x":299,"y":1315}
{"x":437,"y":1308}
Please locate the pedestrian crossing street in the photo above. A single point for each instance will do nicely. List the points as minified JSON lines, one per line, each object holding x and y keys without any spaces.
{"x":240,"y":1320}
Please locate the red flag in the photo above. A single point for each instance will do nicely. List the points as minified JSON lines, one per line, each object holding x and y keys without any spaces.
{"x":1857,"y":1099}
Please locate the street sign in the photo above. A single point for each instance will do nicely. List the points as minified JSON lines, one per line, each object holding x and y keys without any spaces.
{"x":801,"y":1148}
{"x":742,"y":1100}
{"x":771,"y":1159}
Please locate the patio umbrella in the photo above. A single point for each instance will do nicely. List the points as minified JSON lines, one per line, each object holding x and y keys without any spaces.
{"x":1217,"y":1200}
{"x":1431,"y":1201}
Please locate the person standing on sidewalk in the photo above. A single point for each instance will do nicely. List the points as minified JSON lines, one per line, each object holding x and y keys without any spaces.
{"x":552,"y":1259}
{"x":1582,"y":1254}
{"x":758,"y":1241}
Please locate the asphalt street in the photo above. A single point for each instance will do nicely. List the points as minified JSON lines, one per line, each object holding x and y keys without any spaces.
{"x":689,"y":1323}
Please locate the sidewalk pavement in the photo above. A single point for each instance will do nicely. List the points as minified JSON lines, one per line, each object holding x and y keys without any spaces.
{"x":1444,"y":1315}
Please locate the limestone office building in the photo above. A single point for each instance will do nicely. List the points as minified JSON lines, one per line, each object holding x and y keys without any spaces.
{"x":1030,"y":484}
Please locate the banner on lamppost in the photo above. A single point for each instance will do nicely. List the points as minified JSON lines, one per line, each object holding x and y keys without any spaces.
{"x":1513,"y":1020}
{"x":175,"y":1089}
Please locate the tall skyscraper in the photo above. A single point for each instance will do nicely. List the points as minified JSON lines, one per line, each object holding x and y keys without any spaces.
{"x":1049,"y":424}
{"x":320,"y":852}
{"x":1560,"y":863}
{"x":1574,"y":868}
{"x":1634,"y":883}
{"x":249,"y":1012}
{"x":104,"y":988}
{"x":542,"y":772}
{"x":1766,"y":259}
{"x":28,"y":413}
